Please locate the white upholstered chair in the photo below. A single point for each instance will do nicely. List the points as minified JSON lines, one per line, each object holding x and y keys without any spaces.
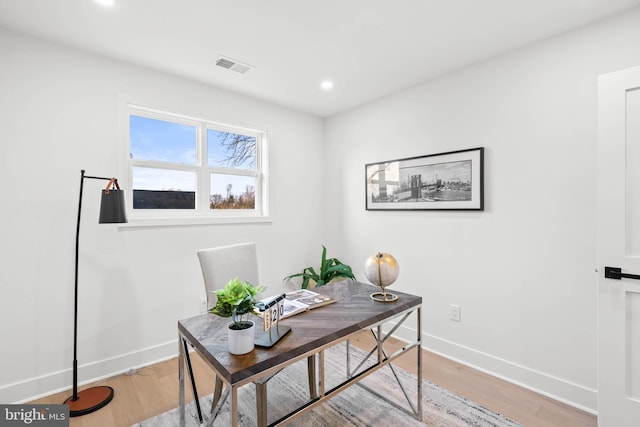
{"x":221,"y":264}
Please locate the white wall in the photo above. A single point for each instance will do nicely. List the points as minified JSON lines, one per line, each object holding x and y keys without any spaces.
{"x":522,"y":270}
{"x":59,"y":109}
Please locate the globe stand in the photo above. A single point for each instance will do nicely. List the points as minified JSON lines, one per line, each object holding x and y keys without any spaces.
{"x":384,"y":296}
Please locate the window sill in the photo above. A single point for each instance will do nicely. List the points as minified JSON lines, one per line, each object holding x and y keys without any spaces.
{"x":191,"y":221}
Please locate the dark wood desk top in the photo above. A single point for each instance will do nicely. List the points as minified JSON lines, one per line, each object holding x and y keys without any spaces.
{"x":353,"y":311}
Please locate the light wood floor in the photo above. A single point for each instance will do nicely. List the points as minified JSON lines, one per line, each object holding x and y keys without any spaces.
{"x":154,"y":389}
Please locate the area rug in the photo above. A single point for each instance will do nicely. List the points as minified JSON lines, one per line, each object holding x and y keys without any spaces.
{"x":354,"y":406}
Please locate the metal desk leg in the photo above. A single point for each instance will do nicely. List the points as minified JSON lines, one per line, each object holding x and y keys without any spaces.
{"x":217,"y":391}
{"x":311,"y":372}
{"x":234,"y":406}
{"x":181,"y":379}
{"x":322,"y":379}
{"x":416,"y":410}
{"x":419,"y":349}
{"x":348,"y":359}
{"x":261,"y":404}
{"x":193,"y":380}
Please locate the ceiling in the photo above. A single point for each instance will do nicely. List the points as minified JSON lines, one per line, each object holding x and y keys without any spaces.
{"x":368,"y":48}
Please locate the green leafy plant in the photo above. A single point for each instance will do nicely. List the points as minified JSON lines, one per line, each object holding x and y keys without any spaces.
{"x":236,"y":300}
{"x":330,"y":269}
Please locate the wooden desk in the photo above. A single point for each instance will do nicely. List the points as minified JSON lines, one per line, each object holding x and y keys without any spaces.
{"x":311,"y":333}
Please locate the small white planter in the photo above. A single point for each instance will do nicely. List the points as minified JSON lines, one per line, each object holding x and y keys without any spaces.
{"x":241,"y":341}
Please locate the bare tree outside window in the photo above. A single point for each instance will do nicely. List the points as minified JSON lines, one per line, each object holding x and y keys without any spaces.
{"x":235,"y":151}
{"x":232,"y":192}
{"x":240,"y":150}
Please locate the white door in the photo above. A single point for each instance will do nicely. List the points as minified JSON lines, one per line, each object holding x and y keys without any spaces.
{"x":619,"y":247}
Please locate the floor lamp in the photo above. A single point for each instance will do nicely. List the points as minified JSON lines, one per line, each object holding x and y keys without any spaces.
{"x":112,"y":210}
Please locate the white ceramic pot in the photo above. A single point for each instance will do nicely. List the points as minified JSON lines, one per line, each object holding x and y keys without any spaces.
{"x":241,"y":341}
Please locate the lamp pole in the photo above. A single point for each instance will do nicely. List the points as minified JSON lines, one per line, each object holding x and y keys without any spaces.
{"x":93,"y":398}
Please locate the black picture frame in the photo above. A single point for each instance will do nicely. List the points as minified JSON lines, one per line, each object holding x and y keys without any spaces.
{"x":443,"y":181}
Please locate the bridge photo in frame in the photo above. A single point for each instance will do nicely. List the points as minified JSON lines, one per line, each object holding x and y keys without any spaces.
{"x":445,"y":181}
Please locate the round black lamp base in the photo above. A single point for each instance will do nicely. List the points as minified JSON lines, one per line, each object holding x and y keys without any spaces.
{"x":89,"y":400}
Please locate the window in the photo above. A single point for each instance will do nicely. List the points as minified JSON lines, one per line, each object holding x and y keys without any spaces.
{"x":186,"y":167}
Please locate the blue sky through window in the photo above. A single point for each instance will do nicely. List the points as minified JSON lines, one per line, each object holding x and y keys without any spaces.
{"x":238,"y":184}
{"x":153,"y":139}
{"x":163,"y":179}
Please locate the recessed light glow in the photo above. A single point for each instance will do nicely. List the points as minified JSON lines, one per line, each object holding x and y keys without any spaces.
{"x":326,"y":85}
{"x":106,"y":3}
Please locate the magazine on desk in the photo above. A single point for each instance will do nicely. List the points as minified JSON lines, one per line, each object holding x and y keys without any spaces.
{"x":301,"y":300}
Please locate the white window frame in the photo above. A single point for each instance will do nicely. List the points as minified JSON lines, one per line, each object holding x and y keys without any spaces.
{"x":202,"y":214}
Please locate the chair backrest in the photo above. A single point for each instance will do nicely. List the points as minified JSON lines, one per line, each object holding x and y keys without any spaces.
{"x":221,"y":264}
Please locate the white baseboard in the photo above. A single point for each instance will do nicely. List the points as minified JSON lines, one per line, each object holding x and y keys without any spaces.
{"x":578,"y":396}
{"x":575,"y":395}
{"x":35,"y":388}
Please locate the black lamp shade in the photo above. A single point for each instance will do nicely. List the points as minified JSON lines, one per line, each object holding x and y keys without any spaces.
{"x":112,"y":208}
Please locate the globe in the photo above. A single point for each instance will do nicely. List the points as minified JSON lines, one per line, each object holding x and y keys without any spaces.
{"x":382,"y":269}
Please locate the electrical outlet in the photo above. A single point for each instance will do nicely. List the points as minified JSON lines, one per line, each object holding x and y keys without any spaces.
{"x":454,"y":312}
{"x":203,"y":305}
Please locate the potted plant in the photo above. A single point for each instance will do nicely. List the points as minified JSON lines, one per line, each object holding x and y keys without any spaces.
{"x":236,"y":300}
{"x":330,"y":269}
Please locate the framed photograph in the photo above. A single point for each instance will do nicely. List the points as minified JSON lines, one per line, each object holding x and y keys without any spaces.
{"x":445,"y":181}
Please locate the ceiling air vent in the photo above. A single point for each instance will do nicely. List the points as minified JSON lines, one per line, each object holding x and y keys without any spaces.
{"x":232,"y":64}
